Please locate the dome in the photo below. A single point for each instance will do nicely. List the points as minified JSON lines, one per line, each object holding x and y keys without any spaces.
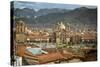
{"x":61,"y":26}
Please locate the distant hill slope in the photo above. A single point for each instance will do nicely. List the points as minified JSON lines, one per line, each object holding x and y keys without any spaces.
{"x":48,"y":17}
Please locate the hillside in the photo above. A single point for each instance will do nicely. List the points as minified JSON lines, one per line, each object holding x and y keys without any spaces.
{"x":49,"y":17}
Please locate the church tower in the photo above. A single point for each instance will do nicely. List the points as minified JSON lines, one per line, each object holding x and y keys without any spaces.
{"x":20,"y":32}
{"x":59,"y":31}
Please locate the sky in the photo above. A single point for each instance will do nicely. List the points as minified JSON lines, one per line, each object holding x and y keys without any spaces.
{"x":41,"y":5}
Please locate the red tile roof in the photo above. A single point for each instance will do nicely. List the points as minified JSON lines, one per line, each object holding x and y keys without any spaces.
{"x":50,"y":57}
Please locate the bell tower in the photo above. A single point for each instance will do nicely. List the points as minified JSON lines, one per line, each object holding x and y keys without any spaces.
{"x":20,"y":32}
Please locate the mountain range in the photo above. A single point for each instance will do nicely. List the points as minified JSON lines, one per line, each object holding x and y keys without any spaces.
{"x":48,"y":17}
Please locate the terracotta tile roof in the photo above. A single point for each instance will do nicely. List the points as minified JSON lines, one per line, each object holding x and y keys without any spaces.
{"x":38,"y":37}
{"x":50,"y":57}
{"x":88,"y":36}
{"x":50,"y":50}
{"x":45,"y":58}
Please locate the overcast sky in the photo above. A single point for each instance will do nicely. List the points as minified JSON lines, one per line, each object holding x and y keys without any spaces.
{"x":40,"y":5}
